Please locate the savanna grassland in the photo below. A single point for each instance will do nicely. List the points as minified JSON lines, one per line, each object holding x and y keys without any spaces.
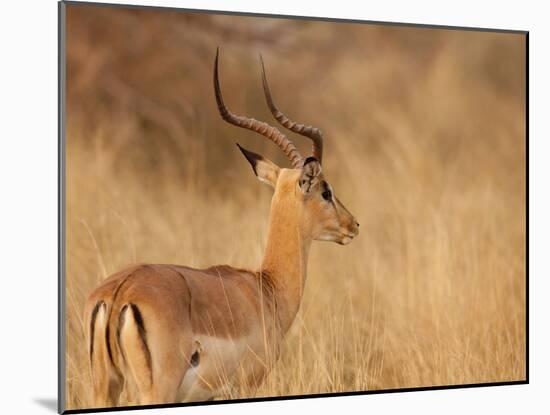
{"x":425,"y":144}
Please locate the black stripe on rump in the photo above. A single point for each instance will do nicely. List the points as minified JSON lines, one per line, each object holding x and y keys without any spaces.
{"x":143,"y":337}
{"x":121,"y":319}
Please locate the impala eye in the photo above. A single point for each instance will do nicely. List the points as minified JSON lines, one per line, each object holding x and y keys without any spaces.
{"x":327,"y":195}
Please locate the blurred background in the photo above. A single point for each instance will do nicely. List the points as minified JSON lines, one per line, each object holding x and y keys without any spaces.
{"x":424,"y":143}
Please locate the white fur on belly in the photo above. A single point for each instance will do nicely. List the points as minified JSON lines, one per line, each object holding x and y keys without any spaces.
{"x":220,"y":361}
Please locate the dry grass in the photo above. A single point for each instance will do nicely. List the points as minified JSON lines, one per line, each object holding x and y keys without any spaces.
{"x":425,"y":145}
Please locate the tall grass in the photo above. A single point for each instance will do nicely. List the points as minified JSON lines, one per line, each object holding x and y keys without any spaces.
{"x":425,"y":144}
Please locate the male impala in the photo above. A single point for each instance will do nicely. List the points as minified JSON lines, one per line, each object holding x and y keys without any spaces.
{"x":171,"y":333}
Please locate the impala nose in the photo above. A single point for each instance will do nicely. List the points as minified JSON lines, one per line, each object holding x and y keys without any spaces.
{"x":355,"y":227}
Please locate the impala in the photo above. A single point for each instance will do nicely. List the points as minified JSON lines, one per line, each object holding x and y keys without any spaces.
{"x":171,"y":333}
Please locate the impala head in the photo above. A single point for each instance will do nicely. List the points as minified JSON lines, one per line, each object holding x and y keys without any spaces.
{"x":302,"y":188}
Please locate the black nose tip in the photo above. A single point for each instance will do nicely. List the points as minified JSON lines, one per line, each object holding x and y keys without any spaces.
{"x":356,"y":223}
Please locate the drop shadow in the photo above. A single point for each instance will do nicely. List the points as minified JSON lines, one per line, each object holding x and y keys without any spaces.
{"x":48,"y":403}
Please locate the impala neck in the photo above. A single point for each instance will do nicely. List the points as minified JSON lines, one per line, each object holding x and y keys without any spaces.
{"x":285,"y":258}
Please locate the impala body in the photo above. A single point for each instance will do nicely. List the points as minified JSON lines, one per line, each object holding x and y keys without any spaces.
{"x":170,"y":333}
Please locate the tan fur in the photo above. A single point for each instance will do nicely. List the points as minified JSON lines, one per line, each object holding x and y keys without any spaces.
{"x":207,"y":329}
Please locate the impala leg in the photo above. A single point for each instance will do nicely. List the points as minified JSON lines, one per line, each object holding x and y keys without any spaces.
{"x":154,"y":356}
{"x":107,"y":384}
{"x":106,"y":390}
{"x":161,"y":391}
{"x":170,"y":367}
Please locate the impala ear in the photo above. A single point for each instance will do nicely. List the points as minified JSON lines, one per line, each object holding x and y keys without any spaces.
{"x":310,"y":174}
{"x":264,"y":169}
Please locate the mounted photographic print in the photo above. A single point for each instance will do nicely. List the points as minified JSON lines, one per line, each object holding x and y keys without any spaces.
{"x":256,"y":207}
